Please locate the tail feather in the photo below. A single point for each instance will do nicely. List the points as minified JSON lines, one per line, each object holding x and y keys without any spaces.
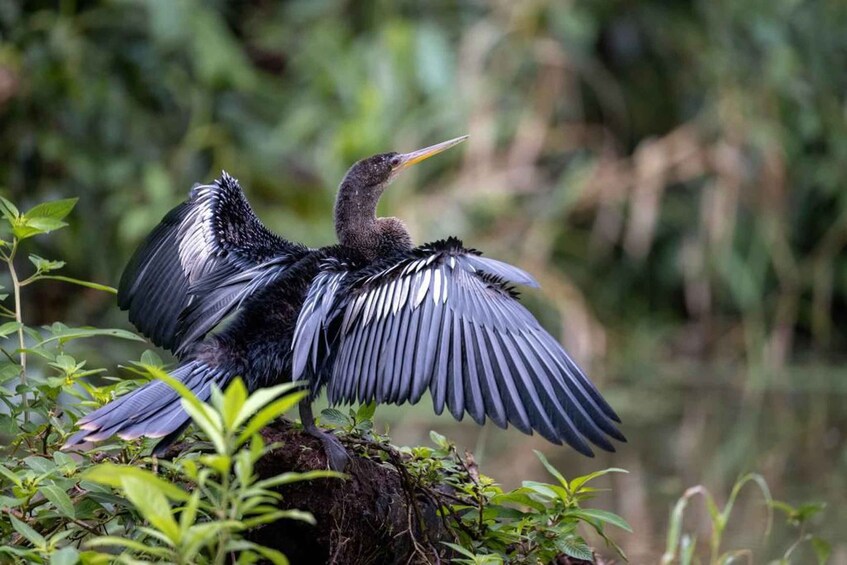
{"x":163,"y":444}
{"x":167,"y":416}
{"x":154,"y":410}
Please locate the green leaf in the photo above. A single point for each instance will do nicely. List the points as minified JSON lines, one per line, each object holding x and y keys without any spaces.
{"x":45,"y":265}
{"x":152,"y":504}
{"x":517,"y":497}
{"x":10,"y":475}
{"x":459,"y":549}
{"x":808,"y":510}
{"x":65,"y":363}
{"x":261,"y":398}
{"x":95,"y":558}
{"x":552,"y":470}
{"x":65,"y":461}
{"x":822,"y":549}
{"x":18,"y":552}
{"x":217,"y":461}
{"x":188,"y":514}
{"x":9,"y":210}
{"x":64,"y":334}
{"x":207,"y":530}
{"x":12,"y":502}
{"x":8,"y":425}
{"x":151,"y":358}
{"x":687,"y":547}
{"x":65,"y":556}
{"x":110,"y":474}
{"x":208,"y":420}
{"x":26,"y":531}
{"x":292,"y":477}
{"x":602,"y":516}
{"x":279,"y":515}
{"x":334,"y":417}
{"x":40,"y":464}
{"x":576,"y":548}
{"x":9,"y":371}
{"x":754,"y":478}
{"x":59,"y":498}
{"x":129,"y":544}
{"x":270,"y":413}
{"x":439,"y":440}
{"x":675,"y":529}
{"x":233,"y":402}
{"x":56,"y":209}
{"x":23,"y":231}
{"x":366,"y":411}
{"x":202,"y":414}
{"x":578,"y":482}
{"x":39,"y":225}
{"x":272,"y":555}
{"x":9,"y":328}
{"x":543,"y":489}
{"x":241,"y":545}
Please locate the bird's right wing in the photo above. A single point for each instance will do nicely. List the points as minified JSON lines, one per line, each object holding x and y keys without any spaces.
{"x":198,"y":263}
{"x":445,"y":319}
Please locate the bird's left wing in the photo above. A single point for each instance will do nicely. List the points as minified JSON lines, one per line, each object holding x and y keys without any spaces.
{"x":443,"y":318}
{"x":199,"y":263}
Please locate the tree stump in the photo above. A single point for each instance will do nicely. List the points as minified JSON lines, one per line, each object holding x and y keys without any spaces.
{"x":372,"y":517}
{"x":375,"y":516}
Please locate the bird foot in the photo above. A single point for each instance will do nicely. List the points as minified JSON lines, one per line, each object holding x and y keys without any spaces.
{"x":336,"y":454}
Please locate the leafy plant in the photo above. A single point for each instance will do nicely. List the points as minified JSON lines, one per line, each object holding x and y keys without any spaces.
{"x":681,"y":547}
{"x":357,"y":422}
{"x":223,"y":498}
{"x":531,"y":524}
{"x":60,"y":508}
{"x":798,"y":517}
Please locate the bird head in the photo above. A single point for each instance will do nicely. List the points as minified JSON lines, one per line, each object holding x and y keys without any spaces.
{"x":378,"y":171}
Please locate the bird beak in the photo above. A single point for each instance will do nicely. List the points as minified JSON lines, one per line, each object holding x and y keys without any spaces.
{"x":415,"y":157}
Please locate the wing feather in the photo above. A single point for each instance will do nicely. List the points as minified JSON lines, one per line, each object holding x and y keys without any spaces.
{"x":493,"y":402}
{"x":444,"y":319}
{"x":455,"y":384}
{"x":212,"y":237}
{"x":474,"y":395}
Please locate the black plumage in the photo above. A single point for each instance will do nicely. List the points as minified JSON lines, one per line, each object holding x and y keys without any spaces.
{"x":370,"y":319}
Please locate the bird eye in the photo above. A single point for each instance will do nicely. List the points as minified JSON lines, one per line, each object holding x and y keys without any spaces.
{"x":395,"y":161}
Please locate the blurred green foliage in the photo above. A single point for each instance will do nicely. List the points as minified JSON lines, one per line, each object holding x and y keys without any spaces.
{"x":672,"y":172}
{"x":690,"y":154}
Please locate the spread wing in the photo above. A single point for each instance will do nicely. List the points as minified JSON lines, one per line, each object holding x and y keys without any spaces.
{"x":198,"y":265}
{"x":444,"y":319}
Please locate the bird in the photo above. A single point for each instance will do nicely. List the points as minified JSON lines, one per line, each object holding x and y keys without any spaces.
{"x":372,"y":318}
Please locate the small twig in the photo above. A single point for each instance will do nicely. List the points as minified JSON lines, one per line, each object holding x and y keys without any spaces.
{"x":9,"y":356}
{"x":10,"y":260}
{"x":473,"y":475}
{"x":45,"y":437}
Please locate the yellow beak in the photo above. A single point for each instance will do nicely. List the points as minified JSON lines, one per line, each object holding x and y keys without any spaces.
{"x":415,"y":157}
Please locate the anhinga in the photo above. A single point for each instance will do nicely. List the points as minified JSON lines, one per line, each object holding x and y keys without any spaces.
{"x":371,"y":319}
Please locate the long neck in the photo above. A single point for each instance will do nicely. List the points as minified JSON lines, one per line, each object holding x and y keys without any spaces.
{"x":355,"y":214}
{"x":357,"y":226}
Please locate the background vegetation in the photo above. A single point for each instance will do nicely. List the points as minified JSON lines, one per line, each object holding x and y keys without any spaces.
{"x":672,"y":171}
